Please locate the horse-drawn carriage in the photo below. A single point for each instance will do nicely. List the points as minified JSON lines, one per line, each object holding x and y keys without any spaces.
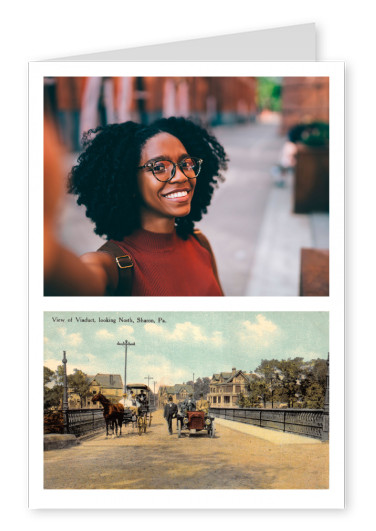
{"x":138,"y":411}
{"x":194,"y":421}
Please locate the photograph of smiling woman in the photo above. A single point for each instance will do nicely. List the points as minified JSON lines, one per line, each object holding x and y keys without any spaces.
{"x":144,"y":187}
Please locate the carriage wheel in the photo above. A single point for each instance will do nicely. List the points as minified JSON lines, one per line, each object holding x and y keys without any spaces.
{"x":150,"y":417}
{"x":139,"y":425}
{"x":145,"y":423}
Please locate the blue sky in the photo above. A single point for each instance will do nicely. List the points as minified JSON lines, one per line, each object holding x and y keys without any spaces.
{"x":171,"y":346}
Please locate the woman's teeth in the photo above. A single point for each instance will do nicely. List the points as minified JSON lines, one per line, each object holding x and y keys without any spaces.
{"x":176,"y":194}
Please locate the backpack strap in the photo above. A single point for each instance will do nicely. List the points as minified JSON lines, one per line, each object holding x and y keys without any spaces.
{"x":204,"y":242}
{"x":125,"y":267}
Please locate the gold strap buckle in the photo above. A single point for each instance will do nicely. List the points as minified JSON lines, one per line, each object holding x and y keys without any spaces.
{"x":124,"y":266}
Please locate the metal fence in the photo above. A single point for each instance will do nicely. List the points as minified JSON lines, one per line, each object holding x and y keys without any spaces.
{"x":308,"y":422}
{"x":82,"y":421}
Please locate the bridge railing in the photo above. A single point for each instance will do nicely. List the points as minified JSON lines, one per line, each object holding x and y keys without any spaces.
{"x":308,"y":422}
{"x":82,"y":421}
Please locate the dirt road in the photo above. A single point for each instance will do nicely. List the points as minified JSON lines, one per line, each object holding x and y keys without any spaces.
{"x":156,"y":460}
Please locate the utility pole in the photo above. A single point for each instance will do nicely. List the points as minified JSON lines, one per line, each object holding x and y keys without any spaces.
{"x":155,"y":402}
{"x":148,"y":378}
{"x":125,"y":344}
{"x":65,"y":394}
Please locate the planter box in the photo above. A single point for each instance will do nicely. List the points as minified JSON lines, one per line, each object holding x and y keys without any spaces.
{"x":314,"y":273}
{"x":311,"y":186}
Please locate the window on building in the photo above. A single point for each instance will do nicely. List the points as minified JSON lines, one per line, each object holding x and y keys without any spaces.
{"x":219,"y":400}
{"x":226,"y":399}
{"x":214,"y":399}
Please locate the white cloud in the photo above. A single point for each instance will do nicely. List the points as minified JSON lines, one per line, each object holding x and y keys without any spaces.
{"x":74,"y":339}
{"x":45,"y":339}
{"x":104,"y":334}
{"x":163,"y":371}
{"x":262,"y":332}
{"x":127,"y":330}
{"x":62,"y":331}
{"x":185,"y":332}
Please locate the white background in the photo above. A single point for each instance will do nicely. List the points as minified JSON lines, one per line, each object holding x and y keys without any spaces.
{"x":40,"y":30}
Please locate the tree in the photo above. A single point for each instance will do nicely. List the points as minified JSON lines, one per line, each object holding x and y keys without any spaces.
{"x":291,"y":376}
{"x":51,"y":395}
{"x":48,"y":375}
{"x":269,"y":92}
{"x":314,"y":398}
{"x":201,"y":385}
{"x":78,"y":383}
{"x":52,"y":398}
{"x":270,"y":371}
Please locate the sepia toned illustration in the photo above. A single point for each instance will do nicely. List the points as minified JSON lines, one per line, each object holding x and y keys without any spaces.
{"x":186,"y":400}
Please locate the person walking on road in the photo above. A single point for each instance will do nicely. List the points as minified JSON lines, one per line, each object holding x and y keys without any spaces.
{"x":170,"y":411}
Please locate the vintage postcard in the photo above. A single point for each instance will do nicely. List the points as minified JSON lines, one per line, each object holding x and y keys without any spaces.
{"x":187,"y":400}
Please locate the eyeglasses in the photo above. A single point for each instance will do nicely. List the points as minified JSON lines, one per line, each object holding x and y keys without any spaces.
{"x":165,"y":170}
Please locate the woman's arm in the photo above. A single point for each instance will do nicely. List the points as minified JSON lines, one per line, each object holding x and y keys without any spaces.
{"x":67,"y":274}
{"x":64,"y":272}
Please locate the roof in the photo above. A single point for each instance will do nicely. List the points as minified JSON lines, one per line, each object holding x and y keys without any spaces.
{"x":178,"y":388}
{"x":228,"y":376}
{"x":104,"y":380}
{"x":138,"y":386}
{"x":224,"y":375}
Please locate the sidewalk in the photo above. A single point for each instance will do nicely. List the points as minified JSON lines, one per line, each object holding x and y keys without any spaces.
{"x":273,"y":436}
{"x":276,"y":265}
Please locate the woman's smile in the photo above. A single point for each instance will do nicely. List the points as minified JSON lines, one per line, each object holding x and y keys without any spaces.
{"x":179,"y":195}
{"x":164,"y":201}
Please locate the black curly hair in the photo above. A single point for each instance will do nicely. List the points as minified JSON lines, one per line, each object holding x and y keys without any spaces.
{"x":105,"y":177}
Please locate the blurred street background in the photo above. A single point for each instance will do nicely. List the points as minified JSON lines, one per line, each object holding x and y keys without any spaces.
{"x":269,"y":220}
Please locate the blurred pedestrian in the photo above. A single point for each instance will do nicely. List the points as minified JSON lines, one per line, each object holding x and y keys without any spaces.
{"x":69,"y":93}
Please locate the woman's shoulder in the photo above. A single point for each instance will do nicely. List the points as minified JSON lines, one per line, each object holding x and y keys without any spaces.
{"x":202,"y":239}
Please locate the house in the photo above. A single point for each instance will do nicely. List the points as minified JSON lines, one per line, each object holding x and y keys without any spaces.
{"x":179,"y":392}
{"x":110,"y":385}
{"x":226,"y":387}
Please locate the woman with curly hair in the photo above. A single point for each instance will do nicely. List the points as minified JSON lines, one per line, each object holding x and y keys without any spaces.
{"x":144,"y":187}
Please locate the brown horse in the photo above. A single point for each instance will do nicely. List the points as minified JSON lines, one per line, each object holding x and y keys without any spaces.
{"x":113,"y":413}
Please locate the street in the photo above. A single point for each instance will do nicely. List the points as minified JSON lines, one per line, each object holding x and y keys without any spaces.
{"x":236,"y":214}
{"x":156,"y":460}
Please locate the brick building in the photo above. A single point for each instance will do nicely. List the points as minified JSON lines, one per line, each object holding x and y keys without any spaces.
{"x":304,"y":100}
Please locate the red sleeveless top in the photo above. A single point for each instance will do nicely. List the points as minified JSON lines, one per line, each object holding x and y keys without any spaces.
{"x":166,"y":265}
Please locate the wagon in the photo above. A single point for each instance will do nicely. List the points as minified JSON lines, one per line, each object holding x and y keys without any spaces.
{"x":142,"y":419}
{"x":195,"y":421}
